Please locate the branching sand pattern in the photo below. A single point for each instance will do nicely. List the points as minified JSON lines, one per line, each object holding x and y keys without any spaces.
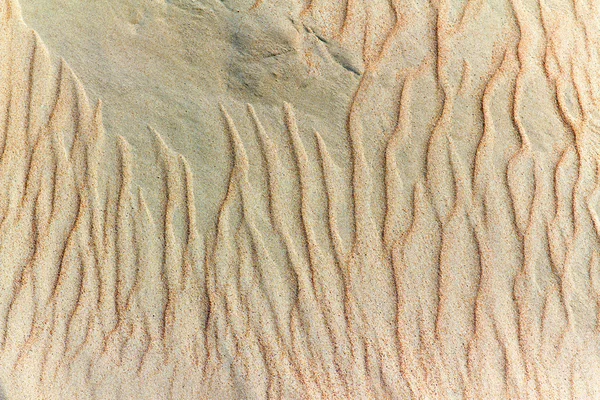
{"x":462,"y":262}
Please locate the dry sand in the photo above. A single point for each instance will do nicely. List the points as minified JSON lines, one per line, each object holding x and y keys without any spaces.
{"x":317,"y":199}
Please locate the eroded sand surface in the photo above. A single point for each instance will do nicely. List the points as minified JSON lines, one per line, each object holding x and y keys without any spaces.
{"x":300,"y":199}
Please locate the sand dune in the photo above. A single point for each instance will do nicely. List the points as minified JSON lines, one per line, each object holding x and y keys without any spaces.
{"x":441,"y":242}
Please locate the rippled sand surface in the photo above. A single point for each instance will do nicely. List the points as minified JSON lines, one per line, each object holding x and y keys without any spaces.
{"x":300,"y":199}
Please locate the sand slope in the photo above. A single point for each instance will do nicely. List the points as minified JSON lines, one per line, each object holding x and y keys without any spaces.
{"x":453,"y":252}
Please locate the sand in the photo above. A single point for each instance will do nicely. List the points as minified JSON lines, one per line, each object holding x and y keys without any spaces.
{"x":313,"y":199}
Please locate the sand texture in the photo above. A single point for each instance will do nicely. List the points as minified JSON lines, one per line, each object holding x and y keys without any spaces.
{"x":299,"y":199}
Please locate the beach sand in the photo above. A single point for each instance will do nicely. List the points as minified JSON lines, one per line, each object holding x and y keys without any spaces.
{"x":300,"y":199}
